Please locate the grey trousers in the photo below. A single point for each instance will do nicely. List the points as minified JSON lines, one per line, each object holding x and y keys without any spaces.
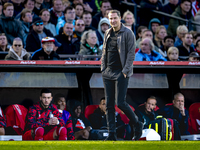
{"x":115,"y":93}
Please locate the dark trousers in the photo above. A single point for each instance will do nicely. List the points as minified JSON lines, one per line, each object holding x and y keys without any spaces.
{"x":115,"y":93}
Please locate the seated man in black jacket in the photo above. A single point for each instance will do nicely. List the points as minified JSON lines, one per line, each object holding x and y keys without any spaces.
{"x":46,"y":52}
{"x":146,"y":112}
{"x":98,"y":121}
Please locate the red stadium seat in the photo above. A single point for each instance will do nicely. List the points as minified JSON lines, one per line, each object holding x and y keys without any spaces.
{"x":15,"y":117}
{"x":194,"y":113}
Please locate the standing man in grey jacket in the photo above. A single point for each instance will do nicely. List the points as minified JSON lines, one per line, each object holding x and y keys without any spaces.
{"x":118,"y":54}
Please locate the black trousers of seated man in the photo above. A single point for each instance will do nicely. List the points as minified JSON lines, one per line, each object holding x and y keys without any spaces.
{"x":115,"y":93}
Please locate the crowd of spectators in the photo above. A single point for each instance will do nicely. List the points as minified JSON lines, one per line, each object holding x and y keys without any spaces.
{"x":68,"y":22}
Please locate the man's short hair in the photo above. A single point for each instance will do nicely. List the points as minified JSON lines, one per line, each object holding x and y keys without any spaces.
{"x":178,"y":95}
{"x":23,"y":13}
{"x":44,"y":9}
{"x":182,"y":1}
{"x":187,"y":34}
{"x":140,"y":28}
{"x":45,"y":91}
{"x":68,"y":22}
{"x":86,"y":13}
{"x":115,"y":11}
{"x":103,"y":98}
{"x":7,"y":5}
{"x":152,"y":97}
{"x":68,"y":8}
{"x":169,"y":37}
{"x":17,"y":39}
{"x":181,"y":28}
{"x":104,"y":1}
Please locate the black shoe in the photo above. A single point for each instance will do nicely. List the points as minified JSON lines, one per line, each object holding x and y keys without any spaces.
{"x":111,"y":137}
{"x":138,"y":130}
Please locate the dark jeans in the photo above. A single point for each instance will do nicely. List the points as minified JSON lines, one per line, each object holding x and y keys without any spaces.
{"x":115,"y":92}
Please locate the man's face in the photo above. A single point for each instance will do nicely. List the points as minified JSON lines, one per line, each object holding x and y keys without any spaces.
{"x":61,"y":103}
{"x":8,"y":12}
{"x":68,"y":29}
{"x":145,"y":46}
{"x":186,"y":6}
{"x":45,"y":16}
{"x":38,"y":27}
{"x":78,"y":111}
{"x":105,"y":5}
{"x":48,"y":47}
{"x":58,"y":6}
{"x":168,"y":43}
{"x":147,"y":34}
{"x":114,"y":20}
{"x":187,"y":40}
{"x":30,"y":5}
{"x":3,"y":40}
{"x":102,"y":106}
{"x":17,"y":46}
{"x":150,"y":105}
{"x":174,"y":2}
{"x":79,"y":10}
{"x":154,"y":26}
{"x":70,"y":15}
{"x":46,"y":99}
{"x":179,"y":102}
{"x":104,"y":27}
{"x":80,"y":26}
{"x":87,"y":18}
{"x":173,"y":56}
{"x":153,"y":1}
{"x":28,"y":17}
{"x":129,"y":19}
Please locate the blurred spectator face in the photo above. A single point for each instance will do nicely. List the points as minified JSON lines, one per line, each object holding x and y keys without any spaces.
{"x":28,"y":17}
{"x":78,"y":111}
{"x":145,"y":46}
{"x":46,"y":99}
{"x":17,"y":46}
{"x":92,"y":39}
{"x":61,"y":103}
{"x":48,"y":47}
{"x":174,"y":2}
{"x":154,"y":26}
{"x":153,"y":1}
{"x":162,"y":34}
{"x":68,"y":29}
{"x":173,"y":56}
{"x":77,"y":1}
{"x":147,"y":34}
{"x":104,"y":27}
{"x":106,"y":13}
{"x":8,"y":12}
{"x":185,"y":6}
{"x":87,"y":18}
{"x":57,"y":7}
{"x":18,"y":2}
{"x":79,"y":10}
{"x":187,"y":40}
{"x":168,"y":43}
{"x":102,"y":106}
{"x":105,"y":6}
{"x":129,"y":19}
{"x":45,"y":16}
{"x":70,"y":15}
{"x":181,"y":34}
{"x":150,"y":105}
{"x":38,"y":27}
{"x":38,"y":3}
{"x":80,"y":26}
{"x":3,"y":40}
{"x":179,"y":102}
{"x":30,"y":5}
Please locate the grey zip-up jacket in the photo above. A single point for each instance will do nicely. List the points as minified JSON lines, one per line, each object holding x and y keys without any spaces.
{"x":126,"y":45}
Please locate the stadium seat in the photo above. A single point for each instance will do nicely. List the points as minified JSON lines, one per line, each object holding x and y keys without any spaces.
{"x":90,"y":109}
{"x":194,"y":113}
{"x":15,"y":117}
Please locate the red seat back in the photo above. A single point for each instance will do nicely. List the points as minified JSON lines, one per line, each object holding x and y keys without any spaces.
{"x":15,"y":117}
{"x":90,"y":110}
{"x":194,"y":113}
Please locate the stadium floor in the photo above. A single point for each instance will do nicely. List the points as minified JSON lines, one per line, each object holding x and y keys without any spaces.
{"x":100,"y":145}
